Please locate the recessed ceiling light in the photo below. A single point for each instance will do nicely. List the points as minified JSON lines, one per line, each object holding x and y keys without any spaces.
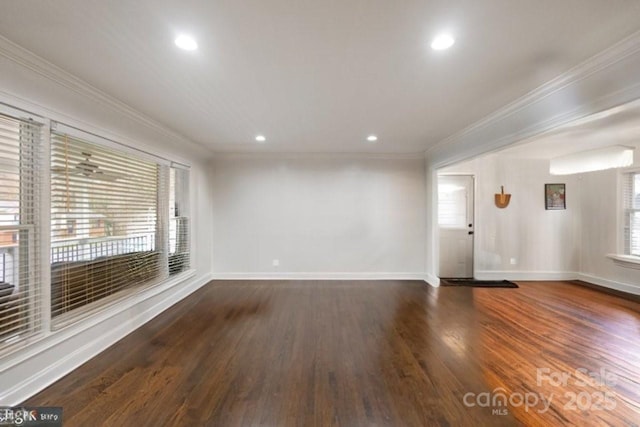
{"x":261,"y":138}
{"x":372,"y":138}
{"x":186,"y":42}
{"x":442,"y":42}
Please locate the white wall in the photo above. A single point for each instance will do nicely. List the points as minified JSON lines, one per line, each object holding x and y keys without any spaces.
{"x":604,"y":81}
{"x":569,"y":244}
{"x":33,"y":85}
{"x":543,"y":243}
{"x":601,"y":231}
{"x":320,"y":216}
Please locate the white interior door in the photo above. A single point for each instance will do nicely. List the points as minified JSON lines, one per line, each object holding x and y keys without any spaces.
{"x":455,"y":221}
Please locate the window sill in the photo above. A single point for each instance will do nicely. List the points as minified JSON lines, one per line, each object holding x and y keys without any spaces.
{"x":627,"y":261}
{"x":123,"y":299}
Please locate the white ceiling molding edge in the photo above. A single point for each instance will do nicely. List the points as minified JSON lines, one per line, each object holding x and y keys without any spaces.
{"x":488,"y":134}
{"x":495,"y":130}
{"x":44,"y":68}
{"x":315,"y":155}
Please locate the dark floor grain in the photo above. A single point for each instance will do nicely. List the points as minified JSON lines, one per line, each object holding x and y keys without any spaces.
{"x":365,"y":353}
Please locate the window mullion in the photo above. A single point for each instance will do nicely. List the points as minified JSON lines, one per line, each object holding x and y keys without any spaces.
{"x":45,"y":228}
{"x":162,"y":223}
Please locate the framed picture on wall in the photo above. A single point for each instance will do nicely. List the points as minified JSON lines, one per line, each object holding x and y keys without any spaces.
{"x":555,"y":197}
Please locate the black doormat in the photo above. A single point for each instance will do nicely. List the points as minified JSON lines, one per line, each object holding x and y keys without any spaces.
{"x":478,"y":283}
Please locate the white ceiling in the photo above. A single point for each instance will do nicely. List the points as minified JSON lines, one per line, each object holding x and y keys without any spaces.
{"x":617,"y":126}
{"x":317,"y":76}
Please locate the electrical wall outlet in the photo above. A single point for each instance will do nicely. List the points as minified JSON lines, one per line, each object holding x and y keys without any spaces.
{"x":513,"y":261}
{"x":276,"y":262}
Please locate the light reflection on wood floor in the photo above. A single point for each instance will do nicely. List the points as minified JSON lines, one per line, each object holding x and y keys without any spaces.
{"x":361,"y":353}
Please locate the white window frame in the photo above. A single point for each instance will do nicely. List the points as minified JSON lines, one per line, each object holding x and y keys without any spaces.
{"x":43,"y":225}
{"x":46,"y":330}
{"x":625,"y":213}
{"x":622,"y":258}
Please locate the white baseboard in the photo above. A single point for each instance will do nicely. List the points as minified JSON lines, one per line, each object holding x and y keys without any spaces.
{"x":432,"y":280}
{"x":619,"y":286}
{"x":525,"y":275}
{"x":29,"y":370}
{"x":317,"y":276}
{"x":557,"y":275}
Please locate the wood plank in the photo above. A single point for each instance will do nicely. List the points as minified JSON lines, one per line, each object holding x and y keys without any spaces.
{"x":351,"y":353}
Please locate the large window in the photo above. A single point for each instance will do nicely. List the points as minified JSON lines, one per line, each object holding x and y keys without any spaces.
{"x":20,"y":304}
{"x":108,"y":220}
{"x":119,"y":220}
{"x":631,"y":196}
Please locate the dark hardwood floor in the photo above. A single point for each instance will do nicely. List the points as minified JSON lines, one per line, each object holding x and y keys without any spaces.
{"x":364,"y":353}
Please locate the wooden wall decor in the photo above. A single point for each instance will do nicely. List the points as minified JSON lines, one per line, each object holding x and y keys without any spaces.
{"x":502,"y":199}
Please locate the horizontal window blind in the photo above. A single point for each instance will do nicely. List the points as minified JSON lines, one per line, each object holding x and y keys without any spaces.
{"x":631,"y":196}
{"x":20,"y":157}
{"x":452,"y":206}
{"x":108,"y":222}
{"x":179,"y":242}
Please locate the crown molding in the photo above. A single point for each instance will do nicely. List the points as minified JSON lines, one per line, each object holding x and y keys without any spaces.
{"x":610,"y":56}
{"x":46,"y":69}
{"x":315,"y":155}
{"x":619,"y":51}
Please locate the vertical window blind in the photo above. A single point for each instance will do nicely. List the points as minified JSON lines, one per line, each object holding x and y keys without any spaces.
{"x":109,"y":222}
{"x":631,"y":196}
{"x":20,"y":297}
